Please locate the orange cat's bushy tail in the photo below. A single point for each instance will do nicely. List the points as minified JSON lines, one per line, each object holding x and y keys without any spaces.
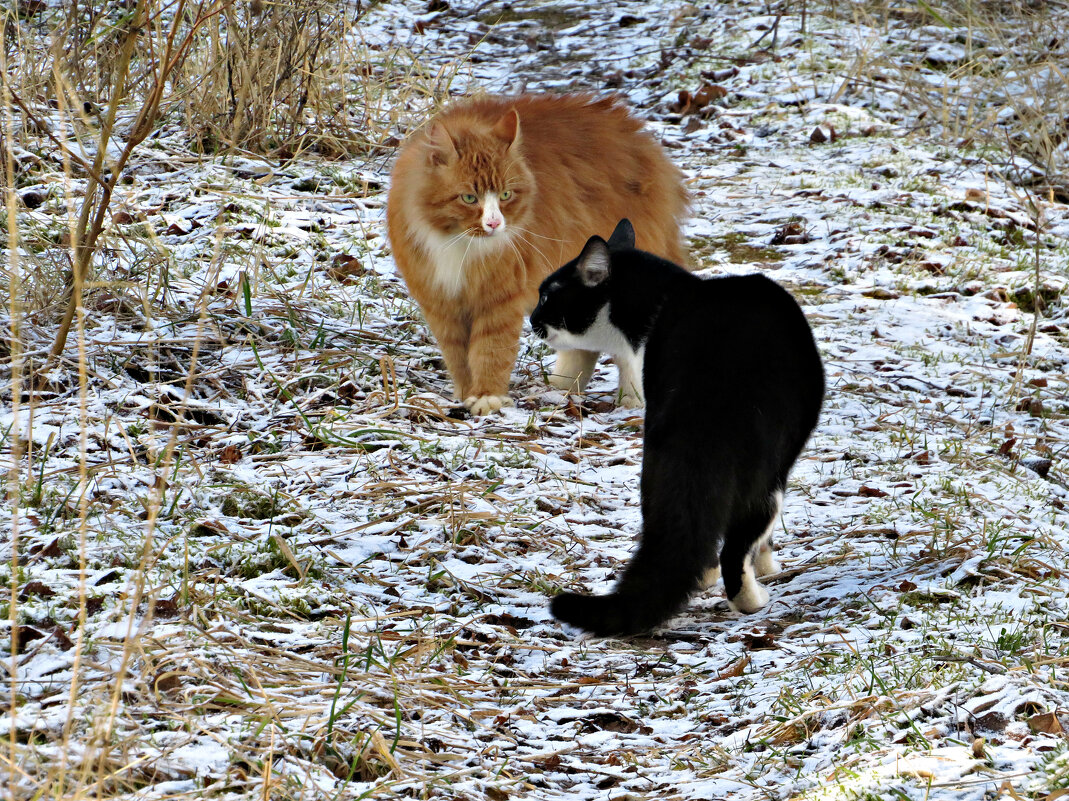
{"x":624,"y":167}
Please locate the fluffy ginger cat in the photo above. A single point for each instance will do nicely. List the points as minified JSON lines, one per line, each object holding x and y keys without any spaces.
{"x":493,"y":195}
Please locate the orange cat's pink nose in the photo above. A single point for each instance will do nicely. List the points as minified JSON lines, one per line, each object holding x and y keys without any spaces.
{"x":494,"y":223}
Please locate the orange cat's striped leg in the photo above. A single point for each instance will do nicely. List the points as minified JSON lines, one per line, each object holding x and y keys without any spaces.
{"x":573,"y":369}
{"x":453,"y":336}
{"x":495,"y":340}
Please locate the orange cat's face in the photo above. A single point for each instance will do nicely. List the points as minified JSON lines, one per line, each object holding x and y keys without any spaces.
{"x":478,"y":184}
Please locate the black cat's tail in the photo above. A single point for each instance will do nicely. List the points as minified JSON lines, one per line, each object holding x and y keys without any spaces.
{"x":646,"y":596}
{"x":614,"y":614}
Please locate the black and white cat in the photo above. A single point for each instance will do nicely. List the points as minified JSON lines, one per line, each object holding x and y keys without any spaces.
{"x":733,"y":385}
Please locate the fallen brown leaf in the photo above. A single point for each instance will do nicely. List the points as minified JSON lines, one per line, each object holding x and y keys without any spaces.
{"x":1045,"y":723}
{"x":871,"y":492}
{"x":735,"y":669}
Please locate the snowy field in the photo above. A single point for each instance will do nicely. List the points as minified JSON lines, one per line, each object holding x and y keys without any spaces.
{"x":252,"y":550}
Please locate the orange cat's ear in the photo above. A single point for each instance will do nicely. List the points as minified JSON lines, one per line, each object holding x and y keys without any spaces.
{"x":507,"y":128}
{"x":442,"y":150}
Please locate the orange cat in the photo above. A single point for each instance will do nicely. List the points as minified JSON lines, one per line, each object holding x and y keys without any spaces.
{"x":493,"y":195}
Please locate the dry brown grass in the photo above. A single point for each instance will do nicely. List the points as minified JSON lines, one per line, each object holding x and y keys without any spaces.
{"x":86,"y":85}
{"x":83,"y":87}
{"x":279,"y":78}
{"x":1002,"y":85}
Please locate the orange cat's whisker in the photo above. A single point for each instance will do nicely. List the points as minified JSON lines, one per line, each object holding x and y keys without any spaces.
{"x":520,"y":235}
{"x":445,"y":246}
{"x":517,"y":251}
{"x":533,"y":233}
{"x":467,"y":250}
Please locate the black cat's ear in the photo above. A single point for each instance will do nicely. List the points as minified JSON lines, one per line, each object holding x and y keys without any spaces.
{"x":594,"y":262}
{"x":442,"y":148}
{"x":623,"y":236}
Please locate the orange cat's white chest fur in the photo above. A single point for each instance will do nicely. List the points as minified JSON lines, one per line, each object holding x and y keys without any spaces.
{"x":451,"y":255}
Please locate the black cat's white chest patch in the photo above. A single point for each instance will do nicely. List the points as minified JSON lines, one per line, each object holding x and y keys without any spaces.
{"x":600,"y":335}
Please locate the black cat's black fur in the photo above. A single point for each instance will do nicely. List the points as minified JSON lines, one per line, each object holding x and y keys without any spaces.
{"x":733,"y":385}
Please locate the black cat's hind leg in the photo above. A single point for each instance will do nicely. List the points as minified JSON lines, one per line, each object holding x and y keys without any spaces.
{"x":761,"y":552}
{"x":763,"y":555}
{"x":710,"y":577}
{"x":677,"y":549}
{"x":742,"y":557}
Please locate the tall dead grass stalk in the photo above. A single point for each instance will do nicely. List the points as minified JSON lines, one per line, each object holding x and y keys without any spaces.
{"x":14,"y":348}
{"x":171,"y":44}
{"x":279,"y":79}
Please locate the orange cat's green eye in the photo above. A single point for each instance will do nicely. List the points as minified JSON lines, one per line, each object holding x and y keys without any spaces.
{"x":469,"y":199}
{"x":505,"y":195}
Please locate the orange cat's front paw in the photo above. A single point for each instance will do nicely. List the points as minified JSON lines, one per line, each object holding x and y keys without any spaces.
{"x":479,"y":405}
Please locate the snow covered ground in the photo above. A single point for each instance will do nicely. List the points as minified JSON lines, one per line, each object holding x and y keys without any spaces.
{"x":302,"y":576}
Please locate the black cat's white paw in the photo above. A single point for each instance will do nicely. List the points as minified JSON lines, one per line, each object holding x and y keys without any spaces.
{"x":764,"y":561}
{"x":751,"y":598}
{"x":630,"y":368}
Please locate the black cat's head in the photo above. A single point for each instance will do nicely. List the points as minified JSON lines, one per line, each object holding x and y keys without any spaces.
{"x":571,"y":299}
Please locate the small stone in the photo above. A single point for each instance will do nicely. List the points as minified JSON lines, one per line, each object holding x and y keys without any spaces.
{"x":1041,"y":467}
{"x":992,"y":721}
{"x":1034,"y":406}
{"x":824,"y":132}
